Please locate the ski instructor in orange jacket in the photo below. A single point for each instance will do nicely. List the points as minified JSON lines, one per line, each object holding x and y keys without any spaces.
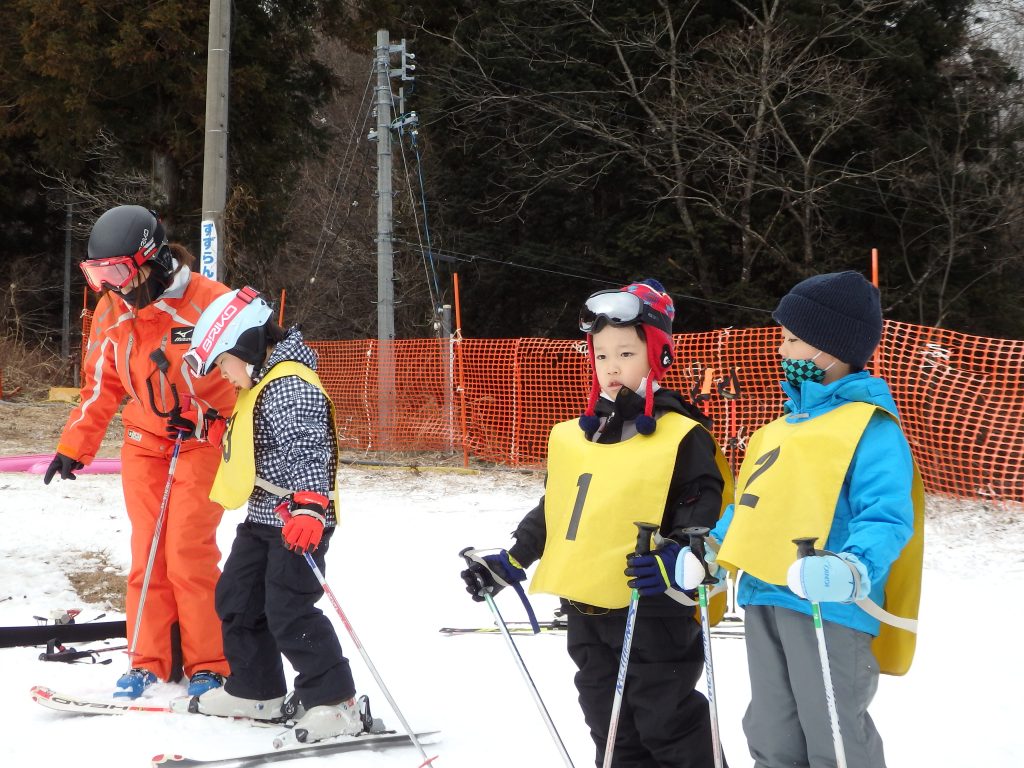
{"x":150,"y":301}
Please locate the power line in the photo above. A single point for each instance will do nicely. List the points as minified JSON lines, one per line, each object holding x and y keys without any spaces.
{"x":469,"y":258}
{"x":346,"y":167}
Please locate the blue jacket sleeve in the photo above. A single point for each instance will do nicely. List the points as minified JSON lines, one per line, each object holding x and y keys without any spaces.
{"x":719,"y":531}
{"x":880,"y":507}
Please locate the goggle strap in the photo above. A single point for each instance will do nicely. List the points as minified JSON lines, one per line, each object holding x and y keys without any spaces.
{"x":244,"y":297}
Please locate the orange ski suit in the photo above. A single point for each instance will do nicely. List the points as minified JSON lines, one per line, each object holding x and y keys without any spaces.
{"x":185,"y":570}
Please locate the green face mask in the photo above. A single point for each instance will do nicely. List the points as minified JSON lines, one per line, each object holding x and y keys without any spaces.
{"x":799,"y":371}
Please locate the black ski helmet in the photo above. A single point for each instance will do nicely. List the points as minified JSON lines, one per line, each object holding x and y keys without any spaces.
{"x":130,"y":230}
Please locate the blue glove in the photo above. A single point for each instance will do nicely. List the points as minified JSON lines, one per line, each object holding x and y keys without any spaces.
{"x":654,"y":572}
{"x":829,"y":578}
{"x":690,"y":571}
{"x":496,"y":572}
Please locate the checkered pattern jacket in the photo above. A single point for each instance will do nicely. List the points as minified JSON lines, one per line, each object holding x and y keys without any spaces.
{"x":293,"y":434}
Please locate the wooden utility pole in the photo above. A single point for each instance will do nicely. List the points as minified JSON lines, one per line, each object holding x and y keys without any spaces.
{"x":215,"y":154}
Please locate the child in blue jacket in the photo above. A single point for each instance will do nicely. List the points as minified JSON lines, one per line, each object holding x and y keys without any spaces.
{"x":836,"y":466}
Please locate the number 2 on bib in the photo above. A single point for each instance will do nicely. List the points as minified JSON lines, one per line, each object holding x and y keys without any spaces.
{"x":763,"y":463}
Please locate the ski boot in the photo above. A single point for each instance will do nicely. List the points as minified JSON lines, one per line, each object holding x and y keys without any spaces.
{"x":133,"y":682}
{"x":203,"y":681}
{"x":219,"y":703}
{"x":323,"y":722}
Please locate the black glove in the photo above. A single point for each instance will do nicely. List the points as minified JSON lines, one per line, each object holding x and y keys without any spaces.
{"x":63,"y":464}
{"x":500,"y":569}
{"x":181,"y":423}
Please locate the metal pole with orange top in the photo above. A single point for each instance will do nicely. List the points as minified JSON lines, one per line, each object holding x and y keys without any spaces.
{"x":876,"y":359}
{"x":462,"y":371}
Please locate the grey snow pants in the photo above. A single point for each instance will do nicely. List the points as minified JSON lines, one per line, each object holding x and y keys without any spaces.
{"x":787,"y":723}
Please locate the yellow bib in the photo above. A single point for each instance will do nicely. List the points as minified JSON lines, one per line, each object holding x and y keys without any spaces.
{"x":236,"y":475}
{"x":894,"y":648}
{"x":594,"y":494}
{"x":788,"y":487}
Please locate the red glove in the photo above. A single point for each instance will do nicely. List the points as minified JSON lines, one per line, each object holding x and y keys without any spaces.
{"x":304,"y":522}
{"x":215,"y":427}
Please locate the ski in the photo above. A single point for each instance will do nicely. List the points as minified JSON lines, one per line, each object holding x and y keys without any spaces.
{"x":81,"y":705}
{"x":723,"y":630}
{"x":514,"y":627}
{"x":317,"y":749}
{"x":60,"y":702}
{"x":11,"y":637}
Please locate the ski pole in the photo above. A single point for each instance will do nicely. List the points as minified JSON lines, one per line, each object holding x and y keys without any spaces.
{"x":57,"y":652}
{"x":643,"y":546}
{"x":285,"y":515}
{"x":162,"y":363}
{"x":485,"y":592}
{"x":697,"y":547}
{"x":805,"y":548}
{"x":366,"y":658}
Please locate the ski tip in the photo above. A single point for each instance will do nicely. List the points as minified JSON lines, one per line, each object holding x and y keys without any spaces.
{"x":38,"y":692}
{"x":164,"y":759}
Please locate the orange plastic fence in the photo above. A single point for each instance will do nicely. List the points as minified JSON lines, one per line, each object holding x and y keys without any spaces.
{"x":961,"y":397}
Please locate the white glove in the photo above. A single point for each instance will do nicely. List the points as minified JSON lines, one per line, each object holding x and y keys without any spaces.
{"x":690,"y":571}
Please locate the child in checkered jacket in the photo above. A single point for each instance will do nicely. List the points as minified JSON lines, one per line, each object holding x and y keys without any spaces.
{"x":279,"y":452}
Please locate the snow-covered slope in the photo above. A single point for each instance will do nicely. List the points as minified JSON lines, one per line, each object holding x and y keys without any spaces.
{"x":394,"y":567}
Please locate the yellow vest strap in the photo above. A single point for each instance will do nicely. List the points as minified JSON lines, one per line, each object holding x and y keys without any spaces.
{"x":277,"y":490}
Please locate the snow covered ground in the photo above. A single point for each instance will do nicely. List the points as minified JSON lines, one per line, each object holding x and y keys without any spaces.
{"x":394,"y":567}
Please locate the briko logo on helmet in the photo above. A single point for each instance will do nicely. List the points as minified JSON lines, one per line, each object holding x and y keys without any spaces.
{"x":221,"y":324}
{"x":218,"y":327}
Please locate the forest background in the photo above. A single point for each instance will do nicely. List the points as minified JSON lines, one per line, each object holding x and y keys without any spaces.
{"x":727,"y":147}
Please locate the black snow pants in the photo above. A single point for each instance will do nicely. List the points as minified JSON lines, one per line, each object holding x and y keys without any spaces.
{"x":266,"y":602}
{"x":664,"y":722}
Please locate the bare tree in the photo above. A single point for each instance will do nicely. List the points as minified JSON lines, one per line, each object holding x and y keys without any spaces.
{"x":1000,"y":24}
{"x":961,"y":203}
{"x":768,"y":106}
{"x":739,"y":122}
{"x":110,"y":183}
{"x":328,"y":266}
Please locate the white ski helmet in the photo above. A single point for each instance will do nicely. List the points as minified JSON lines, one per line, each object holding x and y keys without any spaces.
{"x":235,"y":323}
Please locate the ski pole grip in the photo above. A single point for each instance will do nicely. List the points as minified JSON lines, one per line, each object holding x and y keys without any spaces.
{"x":283,"y":510}
{"x":643,"y":537}
{"x":466,"y":554}
{"x":696,"y":536}
{"x":805,"y":546}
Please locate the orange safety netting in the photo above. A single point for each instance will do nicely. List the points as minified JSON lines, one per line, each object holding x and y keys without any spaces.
{"x":961,"y":397}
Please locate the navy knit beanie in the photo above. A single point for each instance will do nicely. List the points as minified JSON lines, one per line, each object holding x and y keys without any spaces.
{"x":839,"y":313}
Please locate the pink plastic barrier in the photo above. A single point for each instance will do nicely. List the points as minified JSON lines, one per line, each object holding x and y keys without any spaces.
{"x":37,"y":464}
